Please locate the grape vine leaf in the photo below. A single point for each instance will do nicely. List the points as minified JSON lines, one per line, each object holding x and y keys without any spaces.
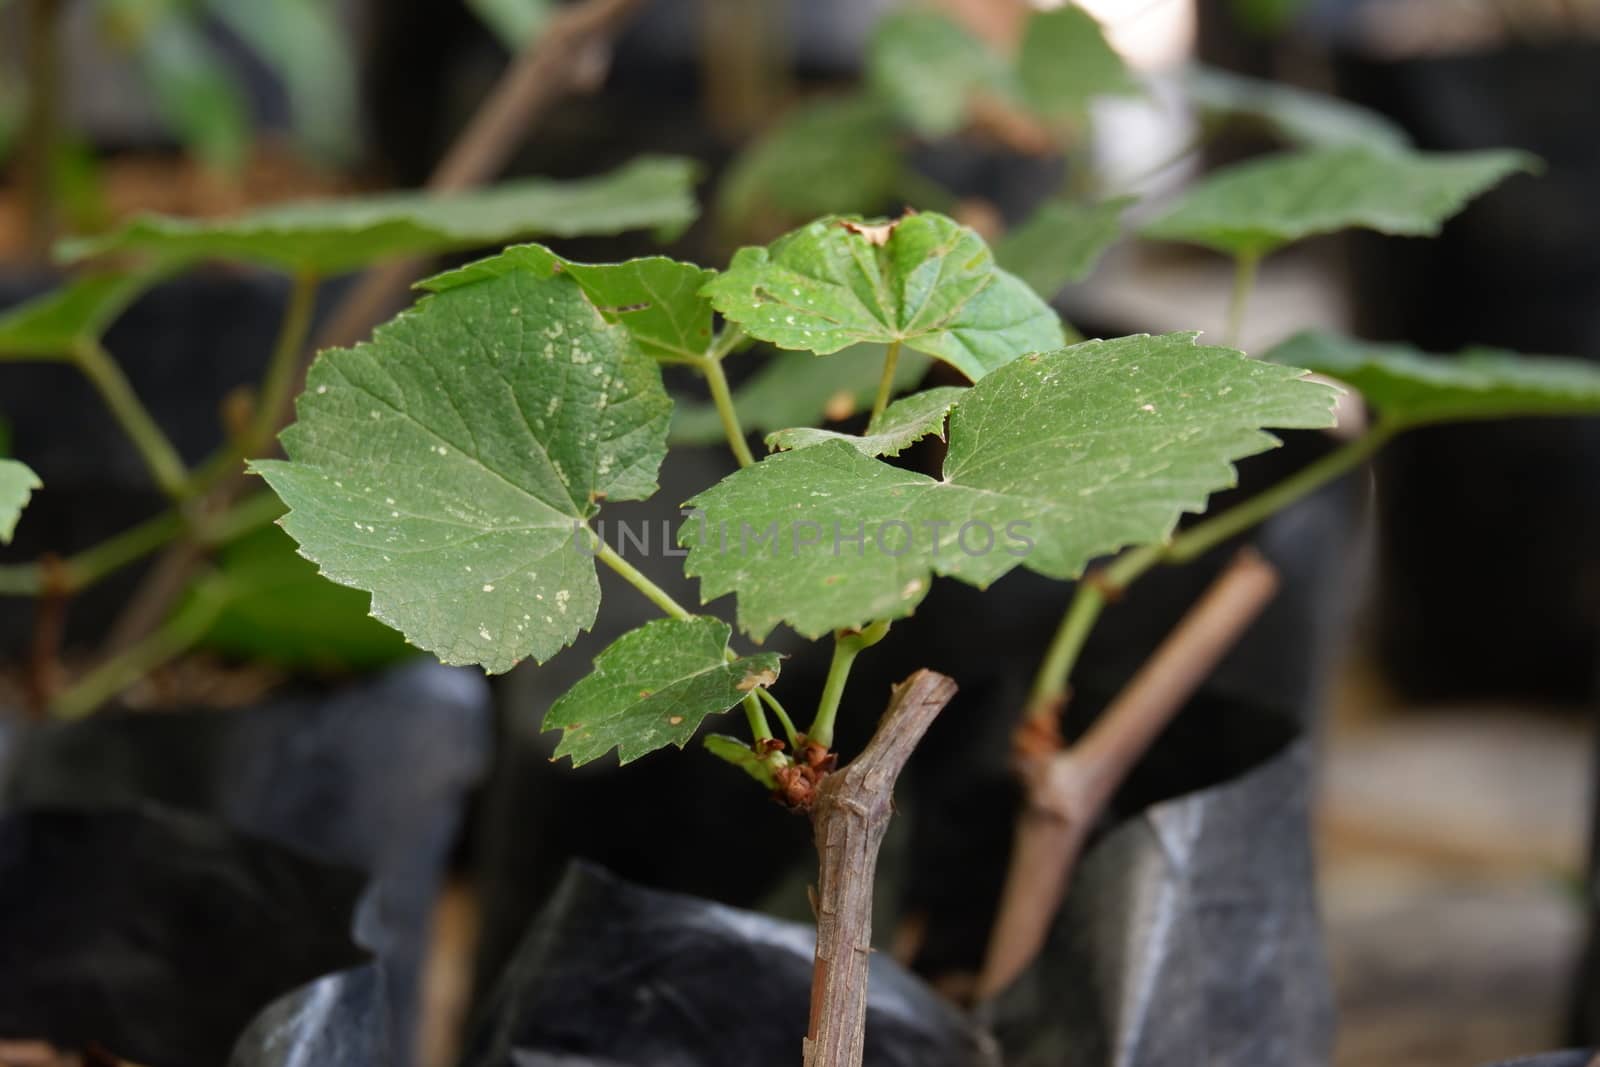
{"x":652,"y":687}
{"x":334,"y":236}
{"x":49,"y":325}
{"x":1411,"y":388}
{"x":1061,"y":242}
{"x":1257,"y":207}
{"x":829,"y":157}
{"x":17,"y":483}
{"x":906,"y":420}
{"x":276,"y":609}
{"x":798,"y":389}
{"x":923,"y":280}
{"x":656,"y":298}
{"x":1294,"y":115}
{"x":1065,"y":62}
{"x":1053,"y":460}
{"x":927,"y":68}
{"x":445,"y":466}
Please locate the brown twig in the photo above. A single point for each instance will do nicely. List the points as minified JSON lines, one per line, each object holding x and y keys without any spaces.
{"x":1068,"y":791}
{"x":41,"y":131}
{"x":849,"y":819}
{"x":49,"y":624}
{"x":570,"y":55}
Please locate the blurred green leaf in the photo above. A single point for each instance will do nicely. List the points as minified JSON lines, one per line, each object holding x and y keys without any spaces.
{"x":1410,"y":387}
{"x":303,"y":43}
{"x":830,"y":157}
{"x":1066,"y":62}
{"x":514,"y":22}
{"x":82,"y":308}
{"x":1257,"y":207}
{"x":1061,"y":242}
{"x":926,"y":67}
{"x":279,"y":610}
{"x":195,"y":91}
{"x":1294,"y":115}
{"x":1266,"y":18}
{"x":333,"y":236}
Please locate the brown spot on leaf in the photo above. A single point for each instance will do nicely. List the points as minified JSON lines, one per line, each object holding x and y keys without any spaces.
{"x":878,"y":234}
{"x":674,"y":720}
{"x":764,"y":677}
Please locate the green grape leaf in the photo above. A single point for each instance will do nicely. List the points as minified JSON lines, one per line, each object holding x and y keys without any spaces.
{"x":906,"y":420}
{"x":1294,"y":115}
{"x":195,"y":91}
{"x":1065,"y":62}
{"x":652,"y":687}
{"x":48,"y":326}
{"x":742,"y":756}
{"x":923,"y":280}
{"x":17,"y":483}
{"x":1053,"y":460}
{"x":305,"y":44}
{"x":1061,"y":242}
{"x":333,"y":236}
{"x":1410,"y":387}
{"x":831,"y":157}
{"x":278,"y":610}
{"x":656,"y":298}
{"x":926,"y":67}
{"x":1257,"y":207}
{"x":514,"y":22}
{"x":798,"y":389}
{"x":444,"y":467}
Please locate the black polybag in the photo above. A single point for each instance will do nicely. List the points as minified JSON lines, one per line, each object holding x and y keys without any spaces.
{"x":340,"y":1020}
{"x":373,"y":775}
{"x":155,"y":934}
{"x":615,"y":975}
{"x":1190,"y":936}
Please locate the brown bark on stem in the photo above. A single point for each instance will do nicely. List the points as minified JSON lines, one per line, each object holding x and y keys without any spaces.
{"x":849,"y":817}
{"x":1067,"y":792}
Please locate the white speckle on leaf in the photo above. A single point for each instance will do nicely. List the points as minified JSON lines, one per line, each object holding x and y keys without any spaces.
{"x":442,"y":450}
{"x":322,"y":390}
{"x":516,"y":311}
{"x":483,"y":632}
{"x":562,"y":596}
{"x":487,"y":588}
{"x":1147,"y":407}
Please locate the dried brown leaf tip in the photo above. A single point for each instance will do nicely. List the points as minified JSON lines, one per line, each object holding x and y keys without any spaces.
{"x":875,"y":234}
{"x":753,"y":679}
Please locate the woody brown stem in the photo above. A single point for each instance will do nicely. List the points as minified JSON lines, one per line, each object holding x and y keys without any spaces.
{"x":1068,"y":791}
{"x":849,"y":818}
